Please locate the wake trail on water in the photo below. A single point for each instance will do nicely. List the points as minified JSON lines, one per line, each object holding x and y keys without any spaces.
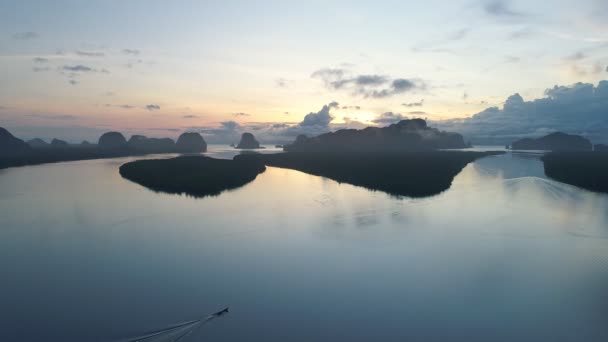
{"x":173,"y":333}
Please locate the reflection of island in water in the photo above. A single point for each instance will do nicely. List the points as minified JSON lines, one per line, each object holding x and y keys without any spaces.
{"x":413,"y":174}
{"x":192,"y":175}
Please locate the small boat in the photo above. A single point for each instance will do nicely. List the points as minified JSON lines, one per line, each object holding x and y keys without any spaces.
{"x":221,"y":313}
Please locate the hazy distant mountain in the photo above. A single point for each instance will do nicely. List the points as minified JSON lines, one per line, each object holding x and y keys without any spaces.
{"x":112,"y":140}
{"x":554,"y":142}
{"x":151,"y":145}
{"x":37,"y":143}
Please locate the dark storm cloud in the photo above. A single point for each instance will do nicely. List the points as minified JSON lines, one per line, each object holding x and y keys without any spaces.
{"x":25,"y":35}
{"x":152,"y":107}
{"x":90,"y":53}
{"x":374,"y":86}
{"x":581,"y":108}
{"x":388,"y":118}
{"x":413,"y":104}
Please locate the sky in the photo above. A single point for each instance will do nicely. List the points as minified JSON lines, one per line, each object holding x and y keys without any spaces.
{"x":75,"y":69}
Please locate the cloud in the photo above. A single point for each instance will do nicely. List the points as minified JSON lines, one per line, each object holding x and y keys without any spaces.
{"x":236,"y":115}
{"x":40,"y":69}
{"x":90,"y":53}
{"x":40,"y":60}
{"x":500,"y":8}
{"x":459,"y":34}
{"x":282,"y":82}
{"x":417,"y":112}
{"x":53,"y":116}
{"x":126,"y":106}
{"x":78,"y":68}
{"x":607,"y":69}
{"x":388,"y":118}
{"x":25,"y":35}
{"x":413,"y":104}
{"x":132,"y":52}
{"x":152,"y":107}
{"x":190,"y":117}
{"x":352,"y":107}
{"x":581,"y":108}
{"x":73,"y":82}
{"x":374,"y":86}
{"x":576,"y":56}
{"x":321,"y":118}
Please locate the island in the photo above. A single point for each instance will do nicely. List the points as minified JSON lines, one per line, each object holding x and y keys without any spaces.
{"x":406,"y":135}
{"x":196,"y":176}
{"x":11,"y":146}
{"x":15,"y":152}
{"x":557,"y":141}
{"x":412,"y":174}
{"x":587,"y":170}
{"x":248,"y":142}
{"x":191,"y":142}
{"x":402,"y":160}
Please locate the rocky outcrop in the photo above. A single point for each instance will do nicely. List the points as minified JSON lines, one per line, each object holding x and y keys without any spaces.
{"x":406,"y":135}
{"x":144,"y":144}
{"x":248,"y":142}
{"x":9,"y":145}
{"x":57,"y":143}
{"x":112,"y":140}
{"x":191,"y":142}
{"x":557,"y":141}
{"x":601,"y":148}
{"x":37,"y":143}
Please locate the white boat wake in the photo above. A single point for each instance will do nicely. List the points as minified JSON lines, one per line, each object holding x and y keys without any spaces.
{"x":176,"y":332}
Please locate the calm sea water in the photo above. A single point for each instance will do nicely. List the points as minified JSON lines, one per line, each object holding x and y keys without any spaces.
{"x":503,"y":255}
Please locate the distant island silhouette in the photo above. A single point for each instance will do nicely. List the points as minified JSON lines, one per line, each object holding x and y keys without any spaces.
{"x":406,"y":135}
{"x":408,"y":173}
{"x":248,"y":142}
{"x":588,"y":170}
{"x":557,"y":141}
{"x":15,"y":152}
{"x":197,"y":176}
